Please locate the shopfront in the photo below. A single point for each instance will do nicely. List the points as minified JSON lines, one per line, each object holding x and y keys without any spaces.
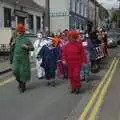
{"x":21,"y":16}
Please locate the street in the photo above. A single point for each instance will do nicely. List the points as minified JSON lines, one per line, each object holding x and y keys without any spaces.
{"x":41,"y":102}
{"x":110,"y":109}
{"x":59,"y":59}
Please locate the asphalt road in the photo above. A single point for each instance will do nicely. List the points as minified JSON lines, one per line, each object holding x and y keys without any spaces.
{"x":110,"y":109}
{"x":40,"y":102}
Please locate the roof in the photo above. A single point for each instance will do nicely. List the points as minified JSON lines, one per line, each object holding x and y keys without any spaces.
{"x":26,"y":3}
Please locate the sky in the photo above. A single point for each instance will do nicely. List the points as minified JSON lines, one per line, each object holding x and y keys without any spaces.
{"x":109,"y":3}
{"x":106,"y":3}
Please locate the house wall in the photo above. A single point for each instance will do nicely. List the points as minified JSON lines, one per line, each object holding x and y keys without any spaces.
{"x":14,"y":22}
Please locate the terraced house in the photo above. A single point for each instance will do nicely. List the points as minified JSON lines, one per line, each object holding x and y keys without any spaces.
{"x":27,"y":12}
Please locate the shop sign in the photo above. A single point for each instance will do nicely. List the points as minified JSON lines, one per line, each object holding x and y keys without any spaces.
{"x":58,"y":14}
{"x":20,"y":13}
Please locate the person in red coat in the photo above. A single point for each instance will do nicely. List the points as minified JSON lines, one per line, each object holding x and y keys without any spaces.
{"x":74,"y":56}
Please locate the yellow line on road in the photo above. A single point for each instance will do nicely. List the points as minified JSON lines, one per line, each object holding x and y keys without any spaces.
{"x":101,"y":97}
{"x":96,"y":93}
{"x":4,"y":82}
{"x":7,"y":81}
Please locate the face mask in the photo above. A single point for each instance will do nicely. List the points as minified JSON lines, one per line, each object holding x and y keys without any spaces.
{"x":87,"y":35}
{"x":39,"y":36}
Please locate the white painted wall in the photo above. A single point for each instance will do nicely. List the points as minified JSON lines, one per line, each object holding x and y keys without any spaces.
{"x":40,"y":2}
{"x":1,"y":15}
{"x":14,"y":23}
{"x":59,"y":23}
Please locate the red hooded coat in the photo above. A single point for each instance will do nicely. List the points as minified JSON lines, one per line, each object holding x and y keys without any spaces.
{"x":74,"y":56}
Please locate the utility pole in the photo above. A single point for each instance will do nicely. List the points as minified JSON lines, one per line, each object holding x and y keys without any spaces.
{"x":88,"y":25}
{"x":95,"y":14}
{"x":88,"y":9}
{"x":47,"y":17}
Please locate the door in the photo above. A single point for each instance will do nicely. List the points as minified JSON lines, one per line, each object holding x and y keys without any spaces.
{"x":21,"y":20}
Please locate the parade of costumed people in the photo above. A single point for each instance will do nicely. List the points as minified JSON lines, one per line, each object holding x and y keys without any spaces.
{"x":70,"y":54}
{"x":21,"y":63}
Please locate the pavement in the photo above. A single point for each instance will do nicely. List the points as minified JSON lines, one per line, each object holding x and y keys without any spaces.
{"x":5,"y":66}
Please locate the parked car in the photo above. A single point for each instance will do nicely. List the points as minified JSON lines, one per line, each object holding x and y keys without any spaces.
{"x":112,"y":41}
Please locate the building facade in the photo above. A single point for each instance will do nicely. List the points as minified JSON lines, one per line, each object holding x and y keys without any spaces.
{"x":68,"y":14}
{"x":115,"y":17}
{"x":74,"y":14}
{"x":97,"y":14}
{"x":27,"y":12}
{"x":78,"y":14}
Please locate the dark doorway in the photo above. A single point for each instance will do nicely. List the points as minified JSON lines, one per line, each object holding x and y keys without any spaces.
{"x":7,"y":17}
{"x":38,"y":21}
{"x":21,"y":20}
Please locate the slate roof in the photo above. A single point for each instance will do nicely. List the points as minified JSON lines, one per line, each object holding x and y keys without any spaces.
{"x":26,"y":3}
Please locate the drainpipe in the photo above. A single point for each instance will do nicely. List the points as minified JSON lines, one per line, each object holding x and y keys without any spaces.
{"x":47,"y":17}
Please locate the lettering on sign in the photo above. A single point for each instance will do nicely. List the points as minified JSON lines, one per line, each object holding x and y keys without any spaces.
{"x":58,"y":14}
{"x":21,"y":13}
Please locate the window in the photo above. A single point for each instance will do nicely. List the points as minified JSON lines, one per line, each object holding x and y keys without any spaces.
{"x":21,"y":20}
{"x":86,"y":12}
{"x":78,"y":6}
{"x":82,"y":10}
{"x":7,"y":17}
{"x":31,"y":24}
{"x":43,"y":22}
{"x":71,"y":5}
{"x":75,"y":5}
{"x":38,"y":21}
{"x":83,"y":14}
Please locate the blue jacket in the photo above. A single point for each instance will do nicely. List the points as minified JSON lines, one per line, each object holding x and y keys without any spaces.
{"x":50,"y":56}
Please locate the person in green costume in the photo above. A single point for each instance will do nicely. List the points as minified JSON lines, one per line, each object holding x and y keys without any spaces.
{"x":21,"y":63}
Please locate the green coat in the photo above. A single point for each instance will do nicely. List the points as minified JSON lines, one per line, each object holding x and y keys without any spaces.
{"x":21,"y":63}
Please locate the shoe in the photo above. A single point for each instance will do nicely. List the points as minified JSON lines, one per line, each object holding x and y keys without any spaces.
{"x":73,"y":91}
{"x":53,"y":84}
{"x":48,"y":84}
{"x":23,"y":87}
{"x":40,"y":78}
{"x":77,"y":92}
{"x":19,"y":85}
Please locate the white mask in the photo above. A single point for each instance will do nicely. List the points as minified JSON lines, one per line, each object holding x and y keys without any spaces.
{"x":39,"y":35}
{"x":87,"y":35}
